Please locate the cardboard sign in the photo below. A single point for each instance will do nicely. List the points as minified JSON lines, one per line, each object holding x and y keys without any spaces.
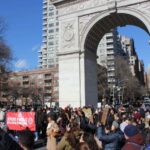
{"x":104,"y":116}
{"x":20,"y":120}
{"x":88,"y":112}
{"x":99,"y":105}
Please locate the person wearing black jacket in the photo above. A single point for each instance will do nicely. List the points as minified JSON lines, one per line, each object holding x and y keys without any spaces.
{"x":7,"y":143}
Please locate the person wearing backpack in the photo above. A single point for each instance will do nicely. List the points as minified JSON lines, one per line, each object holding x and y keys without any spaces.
{"x":134,"y":140}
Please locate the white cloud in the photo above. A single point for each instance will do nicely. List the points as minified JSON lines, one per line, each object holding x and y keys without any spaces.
{"x":21,"y":63}
{"x":35,"y":48}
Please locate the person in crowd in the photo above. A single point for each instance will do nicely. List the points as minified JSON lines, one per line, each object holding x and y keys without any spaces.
{"x":84,"y":146}
{"x":36,"y":134}
{"x":3,"y":118}
{"x":110,"y":117}
{"x":134,"y":140}
{"x":83,"y":120}
{"x":89,"y":142}
{"x":137,"y":115}
{"x":2,"y":114}
{"x":147,"y":114}
{"x":38,"y":120}
{"x":26,"y":140}
{"x":52,"y":130}
{"x":65,"y":127}
{"x":44,"y":123}
{"x":7,"y":143}
{"x":111,"y":137}
{"x":70,"y":139}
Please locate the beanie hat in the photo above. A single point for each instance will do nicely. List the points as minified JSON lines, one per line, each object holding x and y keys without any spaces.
{"x":115,"y":123}
{"x":131,"y":130}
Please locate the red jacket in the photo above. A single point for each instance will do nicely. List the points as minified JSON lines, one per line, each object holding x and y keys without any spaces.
{"x":134,"y":143}
{"x":137,"y":115}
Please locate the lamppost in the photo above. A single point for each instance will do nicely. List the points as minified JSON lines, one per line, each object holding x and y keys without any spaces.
{"x":119,"y":94}
{"x":121,"y":87}
{"x":114,"y":94}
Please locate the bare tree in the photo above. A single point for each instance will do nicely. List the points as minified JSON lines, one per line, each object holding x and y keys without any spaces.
{"x":2,"y":28}
{"x":129,"y":83}
{"x":5,"y":52}
{"x":5,"y":58}
{"x":102,"y":81}
{"x":14,"y":91}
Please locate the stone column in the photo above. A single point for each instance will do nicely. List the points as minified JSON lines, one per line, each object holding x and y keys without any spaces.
{"x":77,"y":69}
{"x":69,"y":80}
{"x":69,"y":63}
{"x":91,"y":92}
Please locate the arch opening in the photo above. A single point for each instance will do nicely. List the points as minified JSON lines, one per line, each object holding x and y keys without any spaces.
{"x":104,"y":25}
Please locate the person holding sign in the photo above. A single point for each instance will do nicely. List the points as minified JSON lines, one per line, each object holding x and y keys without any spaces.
{"x":111,"y":137}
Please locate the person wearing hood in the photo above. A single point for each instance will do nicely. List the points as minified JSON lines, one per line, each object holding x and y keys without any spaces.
{"x":134,"y":140}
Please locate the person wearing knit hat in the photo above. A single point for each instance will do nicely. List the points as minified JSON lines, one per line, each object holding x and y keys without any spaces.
{"x":130,"y":130}
{"x":115,"y":125}
{"x":134,"y":140}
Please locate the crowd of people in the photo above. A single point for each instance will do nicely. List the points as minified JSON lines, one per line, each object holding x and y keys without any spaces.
{"x":106,"y":128}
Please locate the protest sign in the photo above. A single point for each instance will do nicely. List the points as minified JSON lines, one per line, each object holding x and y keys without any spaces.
{"x":20,"y":120}
{"x":88,"y":112}
{"x":104,"y":116}
{"x":99,"y":105}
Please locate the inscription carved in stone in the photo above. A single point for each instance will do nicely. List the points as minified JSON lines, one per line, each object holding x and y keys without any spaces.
{"x":71,"y":7}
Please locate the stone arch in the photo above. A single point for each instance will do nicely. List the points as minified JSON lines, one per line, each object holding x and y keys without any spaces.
{"x":97,"y":26}
{"x":84,"y":22}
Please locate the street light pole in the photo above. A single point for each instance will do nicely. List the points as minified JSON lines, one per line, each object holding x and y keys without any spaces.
{"x":114,"y":95}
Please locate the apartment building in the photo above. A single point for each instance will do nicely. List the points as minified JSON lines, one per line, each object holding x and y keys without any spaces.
{"x":135,"y":64}
{"x":45,"y":79}
{"x":48,"y":52}
{"x":108,"y":48}
{"x":147,"y":81}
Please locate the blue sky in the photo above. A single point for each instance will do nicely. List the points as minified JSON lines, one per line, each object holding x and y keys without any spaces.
{"x":24,"y":33}
{"x":141,"y":39}
{"x":24,"y":30}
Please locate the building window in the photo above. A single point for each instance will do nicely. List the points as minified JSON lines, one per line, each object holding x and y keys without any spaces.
{"x":51,"y":13}
{"x":51,"y":24}
{"x":51,"y":31}
{"x":57,"y":30}
{"x":51,"y":37}
{"x":57,"y":23}
{"x":51,"y":8}
{"x":40,"y":76}
{"x":39,"y":83}
{"x":51,"y":43}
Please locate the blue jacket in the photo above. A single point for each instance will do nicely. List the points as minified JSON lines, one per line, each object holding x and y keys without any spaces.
{"x":111,"y":141}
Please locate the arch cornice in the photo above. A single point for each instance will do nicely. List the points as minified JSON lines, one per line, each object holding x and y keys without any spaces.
{"x":144,"y":18}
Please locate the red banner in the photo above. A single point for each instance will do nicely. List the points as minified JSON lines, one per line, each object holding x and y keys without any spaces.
{"x":20,"y":120}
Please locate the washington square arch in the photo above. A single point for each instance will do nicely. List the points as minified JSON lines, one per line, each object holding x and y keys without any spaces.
{"x":82,"y":25}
